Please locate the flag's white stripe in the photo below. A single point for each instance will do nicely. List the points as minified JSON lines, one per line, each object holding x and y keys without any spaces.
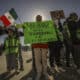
{"x":9,"y":17}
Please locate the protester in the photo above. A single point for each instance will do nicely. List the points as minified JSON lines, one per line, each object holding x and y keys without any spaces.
{"x":40,"y":51}
{"x":20,"y":51}
{"x":74,"y":29}
{"x":11,"y":46}
{"x":55,"y":49}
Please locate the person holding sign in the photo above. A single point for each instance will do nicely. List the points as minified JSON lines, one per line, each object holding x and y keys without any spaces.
{"x":40,"y":51}
{"x":54,"y":49}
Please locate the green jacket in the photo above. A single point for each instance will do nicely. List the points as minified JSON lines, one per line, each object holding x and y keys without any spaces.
{"x":66,"y":32}
{"x":59,"y":35}
{"x":11,"y":45}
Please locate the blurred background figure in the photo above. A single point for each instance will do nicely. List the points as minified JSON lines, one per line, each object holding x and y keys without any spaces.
{"x":55,"y":48}
{"x":74,"y":30}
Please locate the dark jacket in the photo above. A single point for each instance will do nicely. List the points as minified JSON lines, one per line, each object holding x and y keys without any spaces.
{"x":73,"y":26}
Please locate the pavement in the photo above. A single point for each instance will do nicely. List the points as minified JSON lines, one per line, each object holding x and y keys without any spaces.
{"x":27,"y":68}
{"x":69,"y":74}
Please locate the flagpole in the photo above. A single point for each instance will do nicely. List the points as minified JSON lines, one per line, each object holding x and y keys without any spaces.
{"x":20,"y":22}
{"x":17,"y":16}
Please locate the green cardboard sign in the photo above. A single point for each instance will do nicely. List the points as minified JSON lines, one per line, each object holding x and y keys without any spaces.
{"x":39,"y":32}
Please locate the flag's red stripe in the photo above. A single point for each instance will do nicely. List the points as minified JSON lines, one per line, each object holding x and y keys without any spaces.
{"x":5,"y":21}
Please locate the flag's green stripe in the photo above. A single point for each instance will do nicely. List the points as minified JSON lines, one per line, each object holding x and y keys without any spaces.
{"x":13,"y":13}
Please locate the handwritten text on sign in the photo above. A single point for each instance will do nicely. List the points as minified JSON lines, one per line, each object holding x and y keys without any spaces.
{"x":39,"y":32}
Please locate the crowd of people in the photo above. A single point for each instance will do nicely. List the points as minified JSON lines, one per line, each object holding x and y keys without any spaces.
{"x":67,"y":36}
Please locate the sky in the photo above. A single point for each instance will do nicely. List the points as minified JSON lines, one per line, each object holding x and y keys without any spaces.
{"x":28,"y":9}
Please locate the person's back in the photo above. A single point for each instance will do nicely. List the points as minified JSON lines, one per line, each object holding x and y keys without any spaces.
{"x":39,"y":52}
{"x":39,"y":45}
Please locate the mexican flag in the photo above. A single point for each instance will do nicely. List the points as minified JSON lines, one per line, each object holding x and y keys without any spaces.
{"x":9,"y":17}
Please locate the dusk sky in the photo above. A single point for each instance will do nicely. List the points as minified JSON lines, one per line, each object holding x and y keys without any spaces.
{"x":28,"y":9}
